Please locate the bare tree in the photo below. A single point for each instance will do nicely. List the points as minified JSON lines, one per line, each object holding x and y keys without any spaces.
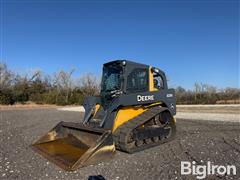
{"x":89,"y":85}
{"x":198,"y":90}
{"x":6,"y":77}
{"x":64,"y":83}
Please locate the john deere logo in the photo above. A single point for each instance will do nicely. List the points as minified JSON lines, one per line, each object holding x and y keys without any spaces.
{"x":145,"y":98}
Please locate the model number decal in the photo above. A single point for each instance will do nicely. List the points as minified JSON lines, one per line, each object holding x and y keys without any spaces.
{"x":145,"y":98}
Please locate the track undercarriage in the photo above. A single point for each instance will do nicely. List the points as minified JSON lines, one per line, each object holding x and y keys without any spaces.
{"x":151,"y":128}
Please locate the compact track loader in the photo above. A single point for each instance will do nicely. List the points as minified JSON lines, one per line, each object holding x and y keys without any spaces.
{"x":135,"y":111}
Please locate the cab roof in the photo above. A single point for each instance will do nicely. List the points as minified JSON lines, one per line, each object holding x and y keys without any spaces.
{"x":127,"y":62}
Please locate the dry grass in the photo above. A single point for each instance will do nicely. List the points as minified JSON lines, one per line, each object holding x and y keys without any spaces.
{"x":27,"y":105}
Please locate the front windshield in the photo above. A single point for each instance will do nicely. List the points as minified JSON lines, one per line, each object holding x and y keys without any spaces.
{"x":111,"y":78}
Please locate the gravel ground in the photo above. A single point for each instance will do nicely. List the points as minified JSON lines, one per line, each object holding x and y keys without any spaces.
{"x":200,"y":141}
{"x":209,"y":116}
{"x":216,"y":108}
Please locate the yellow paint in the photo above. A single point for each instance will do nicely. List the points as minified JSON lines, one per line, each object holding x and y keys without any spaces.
{"x":66,"y":150}
{"x":127,"y":113}
{"x":151,"y":82}
{"x":174,"y":120}
{"x":52,"y":135}
{"x":153,"y":104}
{"x":97,"y":107}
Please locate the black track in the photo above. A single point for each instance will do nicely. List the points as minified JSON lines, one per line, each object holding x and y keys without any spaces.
{"x":122,"y":134}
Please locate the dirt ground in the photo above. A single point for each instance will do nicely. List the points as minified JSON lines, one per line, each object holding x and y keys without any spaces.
{"x":28,"y":106}
{"x":222,"y":109}
{"x":200,"y":141}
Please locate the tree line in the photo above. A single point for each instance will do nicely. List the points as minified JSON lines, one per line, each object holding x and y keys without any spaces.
{"x":62,"y":89}
{"x":207,"y":94}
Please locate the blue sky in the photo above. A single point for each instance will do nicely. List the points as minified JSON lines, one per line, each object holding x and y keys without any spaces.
{"x":192,"y":41}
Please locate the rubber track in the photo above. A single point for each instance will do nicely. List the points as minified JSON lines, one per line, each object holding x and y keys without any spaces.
{"x":122,"y":133}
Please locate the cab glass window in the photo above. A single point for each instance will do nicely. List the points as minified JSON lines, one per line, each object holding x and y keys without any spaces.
{"x":158,"y":81}
{"x":137,"y":80}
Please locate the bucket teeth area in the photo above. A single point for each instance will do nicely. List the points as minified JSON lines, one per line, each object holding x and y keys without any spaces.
{"x":67,"y":150}
{"x":70,"y":147}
